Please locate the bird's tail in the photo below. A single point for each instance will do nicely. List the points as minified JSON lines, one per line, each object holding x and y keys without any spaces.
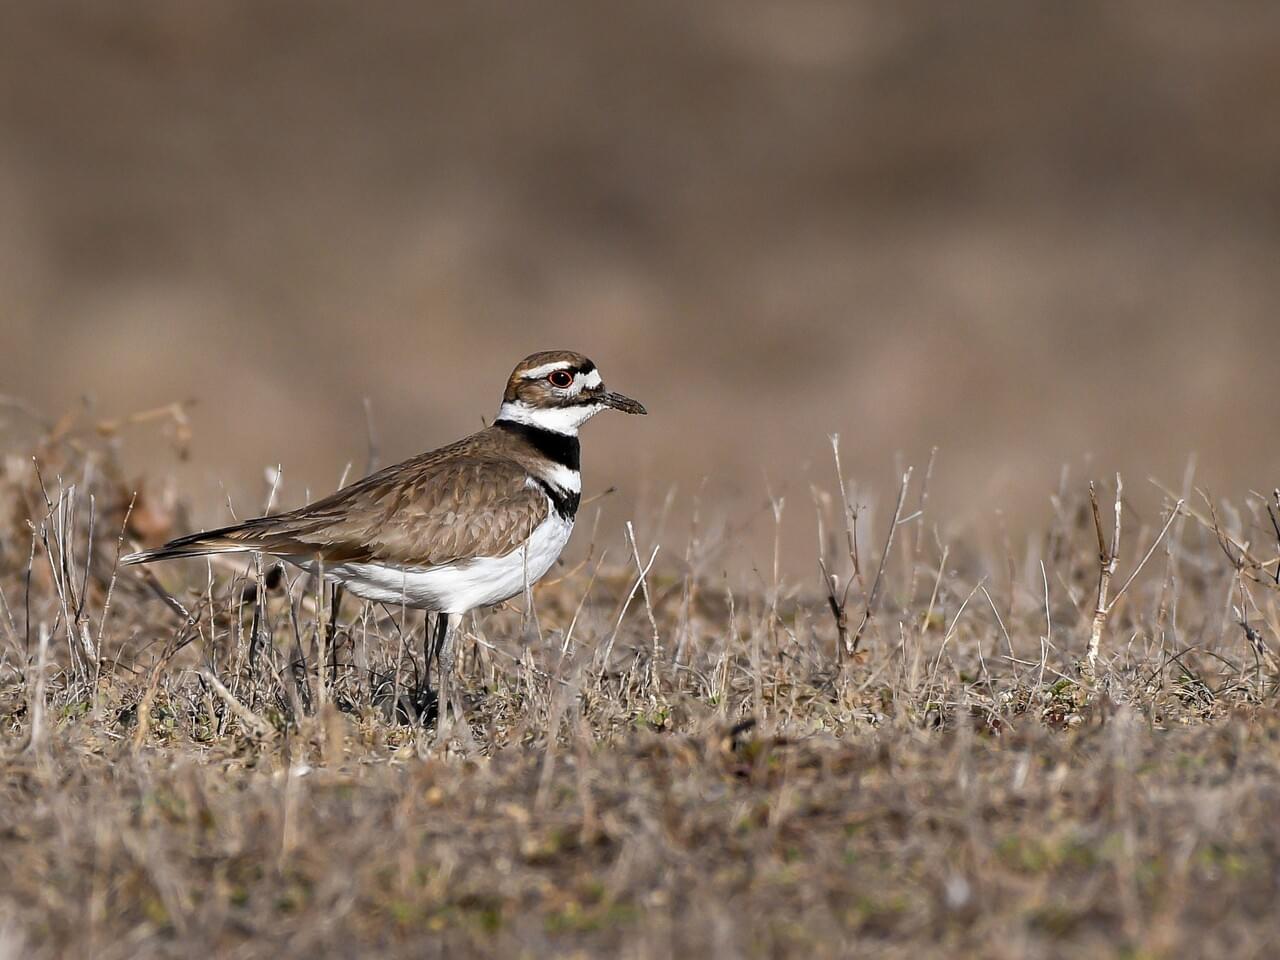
{"x":222,"y":540}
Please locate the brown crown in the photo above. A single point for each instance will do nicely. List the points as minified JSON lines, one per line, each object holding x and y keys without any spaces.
{"x":518,"y":388}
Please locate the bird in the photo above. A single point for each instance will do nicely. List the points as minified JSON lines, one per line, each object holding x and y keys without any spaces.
{"x":465,"y":526}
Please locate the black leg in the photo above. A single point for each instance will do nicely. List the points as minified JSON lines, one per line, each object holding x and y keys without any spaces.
{"x":434,"y":638}
{"x":331,"y":633}
{"x":446,"y":632}
{"x":428,"y":651}
{"x":444,"y":661}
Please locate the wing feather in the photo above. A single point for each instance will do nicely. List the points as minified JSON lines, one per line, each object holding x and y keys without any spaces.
{"x":432,"y":510}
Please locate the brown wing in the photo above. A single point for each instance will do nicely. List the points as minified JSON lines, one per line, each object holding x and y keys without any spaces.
{"x":449,"y":505}
{"x":422,"y":515}
{"x":448,"y":511}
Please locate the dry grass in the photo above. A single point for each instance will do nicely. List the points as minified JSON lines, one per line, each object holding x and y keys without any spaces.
{"x":650,"y":766}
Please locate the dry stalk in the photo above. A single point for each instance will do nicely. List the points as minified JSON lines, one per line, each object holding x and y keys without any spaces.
{"x":644,"y":591}
{"x":850,"y":512}
{"x":37,"y":696}
{"x":626,"y":604}
{"x":837,"y":599}
{"x":115,"y":572}
{"x":180,"y":640}
{"x":254,"y":723}
{"x":1275,"y":524}
{"x":836,"y":603}
{"x":1109,"y":560}
{"x":1237,"y":551}
{"x":869,"y":611}
{"x":582,"y":602}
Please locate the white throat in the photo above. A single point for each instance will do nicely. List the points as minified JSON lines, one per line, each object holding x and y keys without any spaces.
{"x":563,"y":420}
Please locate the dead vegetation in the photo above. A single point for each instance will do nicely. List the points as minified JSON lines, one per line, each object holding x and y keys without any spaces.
{"x":912,"y":753}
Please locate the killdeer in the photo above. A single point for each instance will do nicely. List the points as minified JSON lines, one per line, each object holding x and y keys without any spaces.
{"x":465,"y":526}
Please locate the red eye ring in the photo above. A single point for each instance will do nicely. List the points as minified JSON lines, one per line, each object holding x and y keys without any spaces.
{"x":560,"y":378}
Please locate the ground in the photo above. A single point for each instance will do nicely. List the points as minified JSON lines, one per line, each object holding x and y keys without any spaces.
{"x":663,"y":763}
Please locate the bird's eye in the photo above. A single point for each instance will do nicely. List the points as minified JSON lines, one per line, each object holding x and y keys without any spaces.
{"x":560,"y":378}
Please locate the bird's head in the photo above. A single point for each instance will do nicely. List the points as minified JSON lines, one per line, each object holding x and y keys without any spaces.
{"x":559,"y":390}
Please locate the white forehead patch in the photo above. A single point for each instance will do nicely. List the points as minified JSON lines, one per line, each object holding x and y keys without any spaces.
{"x":589,"y":380}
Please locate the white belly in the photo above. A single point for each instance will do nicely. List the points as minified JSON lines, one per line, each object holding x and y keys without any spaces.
{"x":458,"y":587}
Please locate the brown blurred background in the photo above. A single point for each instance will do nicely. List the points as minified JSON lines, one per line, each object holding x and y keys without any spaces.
{"x":1031,"y":233}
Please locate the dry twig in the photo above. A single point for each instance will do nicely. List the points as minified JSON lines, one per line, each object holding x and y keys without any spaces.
{"x":1108,"y":561}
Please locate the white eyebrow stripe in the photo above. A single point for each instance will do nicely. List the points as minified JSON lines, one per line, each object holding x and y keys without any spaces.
{"x":537,"y":373}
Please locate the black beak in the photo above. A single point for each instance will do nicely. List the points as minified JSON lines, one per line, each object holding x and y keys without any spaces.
{"x":618,"y":402}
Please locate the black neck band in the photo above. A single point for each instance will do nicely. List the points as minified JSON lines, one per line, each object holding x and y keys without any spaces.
{"x":566,"y":503}
{"x":557,"y":447}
